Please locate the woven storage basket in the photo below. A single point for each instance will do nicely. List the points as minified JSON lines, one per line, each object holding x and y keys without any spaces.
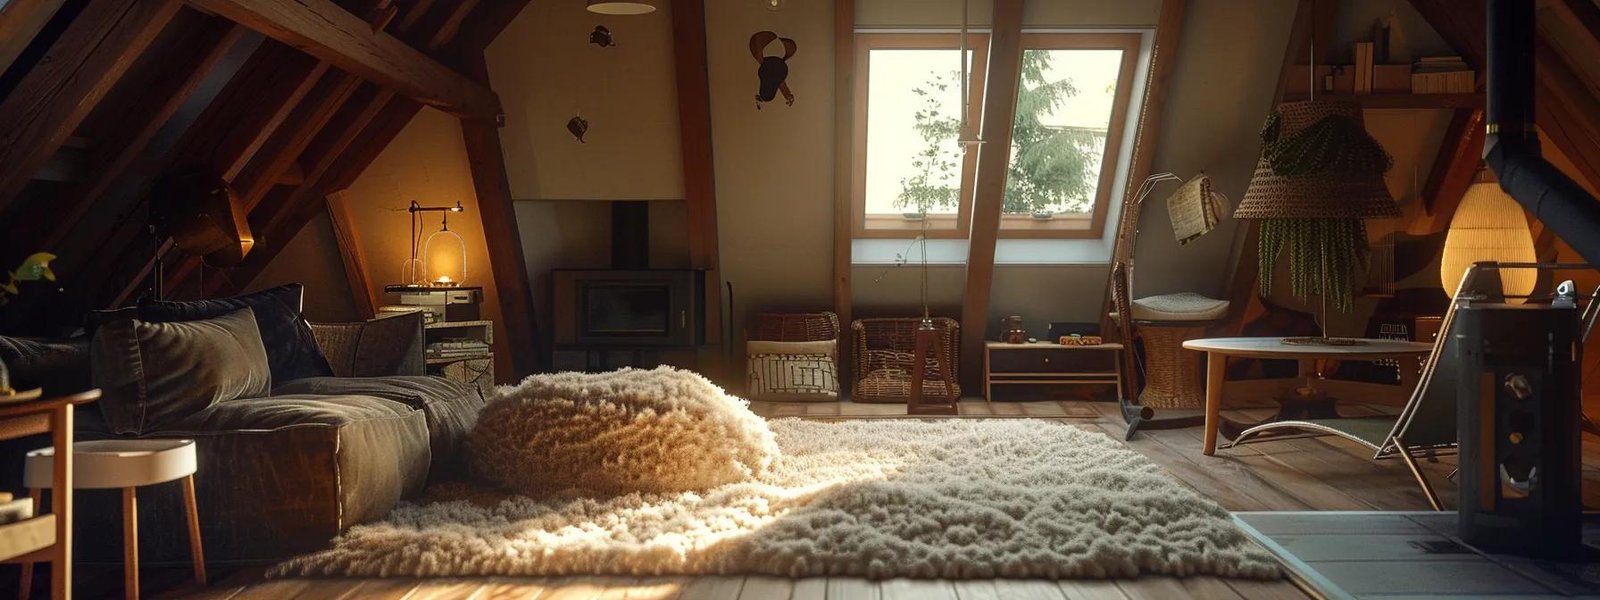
{"x":795,"y":327}
{"x":1172,"y":374}
{"x":1357,"y":194}
{"x":885,"y":354}
{"x":808,"y":376}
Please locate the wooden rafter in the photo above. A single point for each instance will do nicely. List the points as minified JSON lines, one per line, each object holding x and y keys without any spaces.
{"x":1459,"y":158}
{"x":350,"y":252}
{"x":503,"y":237}
{"x":143,"y":103}
{"x":989,"y":187}
{"x":332,"y":34}
{"x":20,"y":20}
{"x":1563,"y":107}
{"x":699,"y":182}
{"x":78,"y":70}
{"x":844,"y":67}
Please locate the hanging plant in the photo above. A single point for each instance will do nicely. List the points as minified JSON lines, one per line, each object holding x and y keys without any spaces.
{"x":1342,"y":243}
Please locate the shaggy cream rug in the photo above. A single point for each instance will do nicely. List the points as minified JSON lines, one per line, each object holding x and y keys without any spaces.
{"x":633,"y":430}
{"x":945,"y":499}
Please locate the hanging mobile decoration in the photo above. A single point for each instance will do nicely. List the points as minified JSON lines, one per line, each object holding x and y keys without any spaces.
{"x":774,"y":70}
{"x":601,"y":37}
{"x":577,"y":126}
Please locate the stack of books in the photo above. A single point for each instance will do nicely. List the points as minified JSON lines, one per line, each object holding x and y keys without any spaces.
{"x":457,"y":348}
{"x":1442,"y":75}
{"x":1363,"y":52}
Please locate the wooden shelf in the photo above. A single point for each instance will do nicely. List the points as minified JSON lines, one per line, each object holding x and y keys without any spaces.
{"x":1399,"y":100}
{"x":445,"y":360}
{"x":456,"y":324}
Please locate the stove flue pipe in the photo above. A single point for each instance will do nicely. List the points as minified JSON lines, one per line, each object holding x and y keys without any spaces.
{"x":1511,"y":147}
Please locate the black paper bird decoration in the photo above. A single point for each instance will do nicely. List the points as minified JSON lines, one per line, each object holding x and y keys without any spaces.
{"x":774,"y":70}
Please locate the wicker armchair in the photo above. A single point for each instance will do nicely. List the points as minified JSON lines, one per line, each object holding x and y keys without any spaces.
{"x":884,"y":351}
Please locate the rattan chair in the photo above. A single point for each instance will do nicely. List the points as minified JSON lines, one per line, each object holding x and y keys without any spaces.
{"x":884,"y":356}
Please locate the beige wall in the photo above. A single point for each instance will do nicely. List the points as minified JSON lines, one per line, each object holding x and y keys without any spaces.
{"x":546,"y":72}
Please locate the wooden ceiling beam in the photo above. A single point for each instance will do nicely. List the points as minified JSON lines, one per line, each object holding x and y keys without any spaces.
{"x":698,"y":165}
{"x":518,"y":315}
{"x":330,"y":33}
{"x":78,"y":70}
{"x":301,"y":205}
{"x":989,"y":186}
{"x":1459,"y":158}
{"x":20,"y":20}
{"x":351,"y":253}
{"x":1563,"y":107}
{"x":149,"y":103}
{"x":844,"y":99}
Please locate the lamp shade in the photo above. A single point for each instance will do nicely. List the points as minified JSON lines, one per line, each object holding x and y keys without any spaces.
{"x":621,"y":7}
{"x":1317,"y":161}
{"x":1489,"y":226}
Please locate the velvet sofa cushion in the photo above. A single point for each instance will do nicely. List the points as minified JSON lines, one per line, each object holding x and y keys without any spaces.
{"x":292,"y":353}
{"x":277,"y":477}
{"x":451,"y":407}
{"x":156,"y":375}
{"x":381,"y":347}
{"x":59,"y":366}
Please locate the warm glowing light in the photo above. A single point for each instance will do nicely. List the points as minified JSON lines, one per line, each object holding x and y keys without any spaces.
{"x":445,"y":281}
{"x":1489,"y":226}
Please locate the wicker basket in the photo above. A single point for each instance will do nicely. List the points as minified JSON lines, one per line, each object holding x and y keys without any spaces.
{"x":884,"y":357}
{"x":795,"y":327}
{"x":811,"y":376}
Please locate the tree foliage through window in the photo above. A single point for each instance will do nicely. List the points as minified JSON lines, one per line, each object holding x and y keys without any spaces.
{"x":1053,"y":168}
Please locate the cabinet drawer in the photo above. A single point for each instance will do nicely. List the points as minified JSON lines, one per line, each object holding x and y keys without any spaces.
{"x":1051,"y":360}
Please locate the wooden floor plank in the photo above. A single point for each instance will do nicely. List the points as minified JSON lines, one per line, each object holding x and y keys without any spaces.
{"x":712,"y":588}
{"x":506,"y":588}
{"x":852,"y":588}
{"x":810,"y":588}
{"x":977,"y":589}
{"x":765,"y":587}
{"x":445,"y":589}
{"x":1091,"y":589}
{"x":901,"y":588}
{"x":1029,"y":589}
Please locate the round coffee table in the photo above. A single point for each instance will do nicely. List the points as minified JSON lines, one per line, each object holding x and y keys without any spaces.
{"x":1219,"y":349}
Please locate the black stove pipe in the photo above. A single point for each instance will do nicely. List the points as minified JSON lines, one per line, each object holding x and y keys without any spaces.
{"x":1511,"y":147}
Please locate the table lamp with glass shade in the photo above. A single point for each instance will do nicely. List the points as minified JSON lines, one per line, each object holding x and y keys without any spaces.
{"x":443,"y":258}
{"x":1489,"y":226}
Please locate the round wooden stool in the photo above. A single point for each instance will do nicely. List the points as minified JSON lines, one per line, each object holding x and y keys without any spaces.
{"x":125,"y":465}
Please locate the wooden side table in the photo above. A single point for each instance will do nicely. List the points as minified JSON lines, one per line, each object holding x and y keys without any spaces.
{"x":1219,"y":349}
{"x":1050,"y":364}
{"x":124,"y":465}
{"x":35,"y":539}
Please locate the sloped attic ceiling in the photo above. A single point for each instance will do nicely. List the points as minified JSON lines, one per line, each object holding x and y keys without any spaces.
{"x":288,"y":99}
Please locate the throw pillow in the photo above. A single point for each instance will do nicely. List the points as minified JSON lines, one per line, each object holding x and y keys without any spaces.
{"x":291,"y":350}
{"x":382,"y":347}
{"x":153,"y":376}
{"x":59,"y":366}
{"x":792,"y":371}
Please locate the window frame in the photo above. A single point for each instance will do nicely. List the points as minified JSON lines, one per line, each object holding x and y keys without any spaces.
{"x":1012,"y":226}
{"x":882,"y":226}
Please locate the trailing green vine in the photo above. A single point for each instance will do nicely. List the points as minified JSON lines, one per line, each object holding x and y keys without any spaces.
{"x":1341,"y":242}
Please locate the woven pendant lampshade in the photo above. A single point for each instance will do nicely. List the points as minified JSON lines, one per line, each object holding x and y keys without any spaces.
{"x":1318,"y":161}
{"x":1489,"y":226}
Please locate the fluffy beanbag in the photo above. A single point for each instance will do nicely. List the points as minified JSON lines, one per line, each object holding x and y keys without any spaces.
{"x":633,"y":430}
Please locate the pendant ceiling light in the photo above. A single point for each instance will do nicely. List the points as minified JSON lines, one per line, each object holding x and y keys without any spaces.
{"x":621,"y":7}
{"x":1489,"y":226}
{"x":967,"y":137}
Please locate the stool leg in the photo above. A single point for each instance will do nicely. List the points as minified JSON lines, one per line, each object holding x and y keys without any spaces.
{"x":195,"y":549}
{"x":25,"y":587}
{"x":130,"y":543}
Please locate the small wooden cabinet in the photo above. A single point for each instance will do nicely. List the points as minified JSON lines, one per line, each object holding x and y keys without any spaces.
{"x":1050,"y":364}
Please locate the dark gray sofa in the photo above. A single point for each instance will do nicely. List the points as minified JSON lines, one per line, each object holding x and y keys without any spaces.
{"x":278,"y":475}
